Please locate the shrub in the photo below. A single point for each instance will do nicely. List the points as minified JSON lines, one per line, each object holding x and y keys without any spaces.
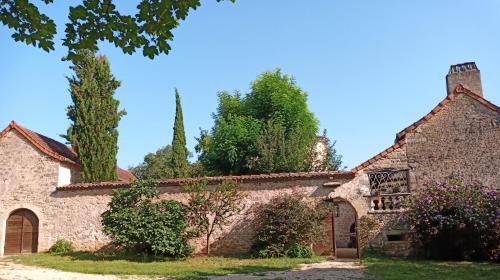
{"x":299,"y":251}
{"x":137,"y":223}
{"x":62,"y":246}
{"x":456,"y":221}
{"x":286,"y":224}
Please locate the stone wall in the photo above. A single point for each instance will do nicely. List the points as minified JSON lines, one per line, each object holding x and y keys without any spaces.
{"x":343,"y":223}
{"x":462,"y":140}
{"x":28,"y":179}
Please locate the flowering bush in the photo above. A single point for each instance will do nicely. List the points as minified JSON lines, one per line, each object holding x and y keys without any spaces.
{"x":456,"y":221}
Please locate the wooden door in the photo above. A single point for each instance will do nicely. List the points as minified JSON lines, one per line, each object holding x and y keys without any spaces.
{"x":21,"y":233}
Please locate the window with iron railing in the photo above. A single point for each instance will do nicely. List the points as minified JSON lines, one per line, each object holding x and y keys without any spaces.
{"x":388,"y":189}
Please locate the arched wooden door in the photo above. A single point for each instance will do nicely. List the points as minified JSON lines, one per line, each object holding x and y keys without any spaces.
{"x":21,"y":233}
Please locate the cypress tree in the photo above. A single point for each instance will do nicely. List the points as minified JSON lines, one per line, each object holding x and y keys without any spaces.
{"x":94,"y":117}
{"x":179,"y":150}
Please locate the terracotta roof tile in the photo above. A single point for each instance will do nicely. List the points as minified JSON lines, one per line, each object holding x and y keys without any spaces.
{"x":273,"y":177}
{"x":401,"y":136}
{"x":55,"y":149}
{"x":45,"y":144}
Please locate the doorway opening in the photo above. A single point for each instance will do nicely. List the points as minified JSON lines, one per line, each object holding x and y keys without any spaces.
{"x":339,"y":239}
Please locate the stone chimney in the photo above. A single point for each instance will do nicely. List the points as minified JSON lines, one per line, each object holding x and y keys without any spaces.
{"x":466,"y":74}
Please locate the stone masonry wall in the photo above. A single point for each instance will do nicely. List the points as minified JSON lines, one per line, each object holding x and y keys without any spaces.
{"x":462,"y":140}
{"x":28,"y":179}
{"x":343,"y":225}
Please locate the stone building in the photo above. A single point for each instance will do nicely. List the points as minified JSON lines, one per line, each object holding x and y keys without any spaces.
{"x":42,"y":198}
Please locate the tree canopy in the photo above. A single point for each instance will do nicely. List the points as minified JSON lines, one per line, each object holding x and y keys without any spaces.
{"x":155,"y":165}
{"x":150,"y":29}
{"x":94,"y":117}
{"x":270,"y":129}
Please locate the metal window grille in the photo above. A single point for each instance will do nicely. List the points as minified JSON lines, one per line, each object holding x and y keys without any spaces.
{"x":389,"y":182}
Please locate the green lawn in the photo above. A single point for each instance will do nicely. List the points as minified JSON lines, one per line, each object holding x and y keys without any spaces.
{"x":392,"y":269}
{"x":188,"y":268}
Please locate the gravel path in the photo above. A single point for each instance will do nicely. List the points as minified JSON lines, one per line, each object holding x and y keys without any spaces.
{"x":13,"y":271}
{"x":330,"y":270}
{"x":321,"y":271}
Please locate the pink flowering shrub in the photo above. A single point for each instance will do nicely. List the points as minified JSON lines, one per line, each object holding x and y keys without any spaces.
{"x":456,"y":221}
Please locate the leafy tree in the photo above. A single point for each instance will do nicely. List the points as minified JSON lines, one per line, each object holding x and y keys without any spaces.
{"x":268,"y":130}
{"x":99,"y":20}
{"x":180,"y":153}
{"x":287,"y":224}
{"x":94,"y":116}
{"x":208,"y":210}
{"x":139,"y":222}
{"x":156,"y":165}
{"x":278,"y":152}
{"x":456,"y":221}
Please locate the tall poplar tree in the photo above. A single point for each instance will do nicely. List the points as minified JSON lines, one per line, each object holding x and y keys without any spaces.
{"x":179,"y":151}
{"x":94,"y":115}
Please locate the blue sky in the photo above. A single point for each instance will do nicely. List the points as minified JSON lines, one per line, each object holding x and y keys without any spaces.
{"x":371,"y":68}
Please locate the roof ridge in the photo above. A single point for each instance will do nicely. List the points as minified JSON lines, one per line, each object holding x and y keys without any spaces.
{"x":400,"y":136}
{"x":26,"y":133}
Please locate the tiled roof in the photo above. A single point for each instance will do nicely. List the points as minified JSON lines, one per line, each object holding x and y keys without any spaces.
{"x":55,"y":149}
{"x":401,"y":136}
{"x":273,"y":177}
{"x":45,"y":144}
{"x":459,"y":90}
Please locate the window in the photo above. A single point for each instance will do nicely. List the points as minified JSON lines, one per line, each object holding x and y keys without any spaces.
{"x":389,"y":182}
{"x":388,"y":189}
{"x":397,"y":237}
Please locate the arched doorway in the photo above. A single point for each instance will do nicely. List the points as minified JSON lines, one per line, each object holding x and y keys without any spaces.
{"x":21,"y":235}
{"x":340,"y":231}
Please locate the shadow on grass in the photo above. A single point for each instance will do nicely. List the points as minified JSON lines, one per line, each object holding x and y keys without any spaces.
{"x":384,"y":267}
{"x":132,"y":257}
{"x":140,"y":258}
{"x":133,"y":264}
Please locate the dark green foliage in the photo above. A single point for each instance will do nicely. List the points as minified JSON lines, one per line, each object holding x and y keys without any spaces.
{"x":139,"y":222}
{"x":94,"y":117}
{"x":209,"y":209}
{"x":96,"y":20}
{"x":156,"y":165}
{"x":268,"y":130}
{"x":62,"y":246}
{"x":29,"y":25}
{"x":299,"y":251}
{"x":180,"y":164}
{"x":287,"y":223}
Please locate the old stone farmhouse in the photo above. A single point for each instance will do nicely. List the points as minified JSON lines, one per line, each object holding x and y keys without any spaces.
{"x":42,"y":199}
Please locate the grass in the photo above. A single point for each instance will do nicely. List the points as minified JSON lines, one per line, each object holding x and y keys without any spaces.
{"x":189,"y":268}
{"x":380,"y":267}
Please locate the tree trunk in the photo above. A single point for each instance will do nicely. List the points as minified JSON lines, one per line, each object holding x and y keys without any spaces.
{"x":208,"y":245}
